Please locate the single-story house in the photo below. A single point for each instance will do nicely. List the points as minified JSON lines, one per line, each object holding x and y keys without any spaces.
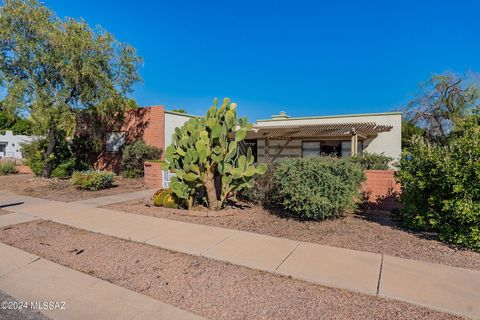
{"x":271,"y":140}
{"x":10,"y":145}
{"x":345,"y":135}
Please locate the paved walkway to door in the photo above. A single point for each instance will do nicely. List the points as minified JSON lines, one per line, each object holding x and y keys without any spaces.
{"x":436,"y":286}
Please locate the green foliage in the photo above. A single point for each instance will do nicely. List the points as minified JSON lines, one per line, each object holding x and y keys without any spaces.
{"x":205,"y":157}
{"x":92,"y":180}
{"x":409,"y":130}
{"x":7,"y":167}
{"x":134,"y":155}
{"x":316,"y":188}
{"x":440,"y":185}
{"x":64,"y":161}
{"x":54,"y":69}
{"x":372,"y":161}
{"x":15,"y":124}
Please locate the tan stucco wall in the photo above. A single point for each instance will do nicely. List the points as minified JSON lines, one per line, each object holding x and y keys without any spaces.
{"x":388,"y":143}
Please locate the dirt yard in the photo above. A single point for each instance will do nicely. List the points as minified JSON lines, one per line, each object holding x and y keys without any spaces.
{"x":61,"y":189}
{"x":373,"y":232}
{"x":206,"y":287}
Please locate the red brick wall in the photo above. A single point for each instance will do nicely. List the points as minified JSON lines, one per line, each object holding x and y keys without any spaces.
{"x":381,"y":189}
{"x":145,"y":123}
{"x":153,"y":177}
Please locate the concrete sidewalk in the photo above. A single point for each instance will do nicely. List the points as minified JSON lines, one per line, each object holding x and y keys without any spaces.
{"x":436,"y":286}
{"x":116,"y":198}
{"x":29,"y":278}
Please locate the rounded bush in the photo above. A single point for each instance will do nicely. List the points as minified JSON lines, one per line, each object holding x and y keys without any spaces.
{"x":92,"y":180}
{"x":316,"y":188}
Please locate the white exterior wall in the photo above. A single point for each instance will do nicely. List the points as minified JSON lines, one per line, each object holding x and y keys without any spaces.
{"x":173,"y":120}
{"x":13,"y":144}
{"x":388,"y":143}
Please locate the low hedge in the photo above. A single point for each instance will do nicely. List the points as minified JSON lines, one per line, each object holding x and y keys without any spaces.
{"x":92,"y":180}
{"x":315,"y":188}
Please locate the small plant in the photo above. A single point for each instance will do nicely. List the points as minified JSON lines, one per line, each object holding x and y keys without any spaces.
{"x":316,"y":188}
{"x":372,"y":161}
{"x":7,"y":167}
{"x":134,"y":155}
{"x":164,"y":198}
{"x":92,"y":180}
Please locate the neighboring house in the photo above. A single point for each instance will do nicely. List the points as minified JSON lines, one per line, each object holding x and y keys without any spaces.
{"x":284,"y":137}
{"x":10,"y":145}
{"x":154,"y":125}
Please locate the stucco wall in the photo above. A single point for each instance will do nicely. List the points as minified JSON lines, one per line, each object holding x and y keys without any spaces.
{"x":13,"y":144}
{"x":388,"y":143}
{"x":173,"y":120}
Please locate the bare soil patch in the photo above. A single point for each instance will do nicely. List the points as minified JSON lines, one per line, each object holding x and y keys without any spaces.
{"x":206,"y":287}
{"x":364,"y":231}
{"x":61,"y":189}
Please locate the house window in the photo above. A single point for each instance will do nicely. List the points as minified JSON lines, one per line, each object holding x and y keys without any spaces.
{"x":114,"y":141}
{"x":346,"y":148}
{"x":3,"y":149}
{"x":311,"y":149}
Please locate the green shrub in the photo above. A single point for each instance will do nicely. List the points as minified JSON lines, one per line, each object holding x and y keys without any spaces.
{"x":64,"y":164}
{"x":441,"y":189}
{"x":134,"y":155}
{"x":316,"y":188}
{"x":92,"y":180}
{"x":372,"y":161}
{"x":7,"y":167}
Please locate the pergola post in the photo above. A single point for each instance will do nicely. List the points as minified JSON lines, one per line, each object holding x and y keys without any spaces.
{"x":354,"y":144}
{"x":267,"y":150}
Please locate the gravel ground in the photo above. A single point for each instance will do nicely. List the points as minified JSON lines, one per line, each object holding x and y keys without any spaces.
{"x":61,"y":189}
{"x":13,"y":314}
{"x":206,"y":287}
{"x":368,"y":231}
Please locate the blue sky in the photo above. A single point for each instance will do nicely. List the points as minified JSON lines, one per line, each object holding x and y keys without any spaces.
{"x":303,"y":57}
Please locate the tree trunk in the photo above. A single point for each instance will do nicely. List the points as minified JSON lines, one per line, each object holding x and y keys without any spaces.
{"x":211,"y":193}
{"x":52,"y":143}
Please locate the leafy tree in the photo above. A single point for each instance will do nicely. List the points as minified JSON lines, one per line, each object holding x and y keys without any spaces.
{"x":409,"y":130}
{"x":445,"y":99}
{"x":54,"y":69}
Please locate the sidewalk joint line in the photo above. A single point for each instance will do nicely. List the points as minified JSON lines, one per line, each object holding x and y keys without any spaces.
{"x":275,"y":270}
{"x":379,"y":276}
{"x":216,"y":244}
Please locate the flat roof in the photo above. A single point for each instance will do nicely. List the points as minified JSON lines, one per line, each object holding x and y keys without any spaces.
{"x":338,"y":116}
{"x":181,"y":114}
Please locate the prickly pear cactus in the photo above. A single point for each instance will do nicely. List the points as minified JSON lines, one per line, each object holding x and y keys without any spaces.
{"x":205,"y":150}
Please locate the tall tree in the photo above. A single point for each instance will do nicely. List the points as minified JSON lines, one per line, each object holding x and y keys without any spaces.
{"x":444,"y":100}
{"x":54,"y":68}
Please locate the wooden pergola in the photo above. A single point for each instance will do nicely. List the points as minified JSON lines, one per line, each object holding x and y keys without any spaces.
{"x":308,"y":131}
